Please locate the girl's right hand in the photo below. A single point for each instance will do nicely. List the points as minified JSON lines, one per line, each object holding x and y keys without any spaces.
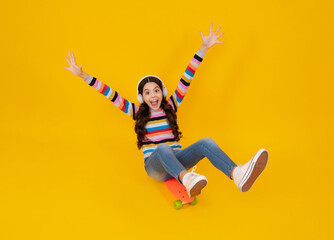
{"x":73,"y":65}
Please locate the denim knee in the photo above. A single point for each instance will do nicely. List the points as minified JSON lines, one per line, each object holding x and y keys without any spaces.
{"x":162,"y":148}
{"x":207,"y":141}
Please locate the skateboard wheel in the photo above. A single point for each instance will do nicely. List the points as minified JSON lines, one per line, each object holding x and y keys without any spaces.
{"x":177,"y":204}
{"x":194,"y":201}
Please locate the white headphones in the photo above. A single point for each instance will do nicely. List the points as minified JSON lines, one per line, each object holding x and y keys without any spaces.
{"x":140,"y":97}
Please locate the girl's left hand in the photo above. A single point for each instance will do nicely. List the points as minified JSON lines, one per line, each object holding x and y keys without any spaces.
{"x":209,"y":41}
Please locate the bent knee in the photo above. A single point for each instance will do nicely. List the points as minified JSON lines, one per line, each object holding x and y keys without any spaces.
{"x":207,"y":140}
{"x":163,"y":147}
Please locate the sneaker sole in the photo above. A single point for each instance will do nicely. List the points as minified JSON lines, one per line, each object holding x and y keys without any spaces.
{"x":254,"y":170}
{"x":196,"y":190}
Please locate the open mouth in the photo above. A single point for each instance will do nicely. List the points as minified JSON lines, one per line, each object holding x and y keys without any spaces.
{"x":154,"y":103}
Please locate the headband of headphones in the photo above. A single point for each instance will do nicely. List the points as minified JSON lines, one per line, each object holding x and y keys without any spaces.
{"x":146,"y":77}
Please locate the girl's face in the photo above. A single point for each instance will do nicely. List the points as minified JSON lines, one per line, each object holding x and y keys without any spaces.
{"x":152,"y":95}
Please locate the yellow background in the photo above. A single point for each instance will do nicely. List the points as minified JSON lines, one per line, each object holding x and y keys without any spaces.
{"x":69,"y":166}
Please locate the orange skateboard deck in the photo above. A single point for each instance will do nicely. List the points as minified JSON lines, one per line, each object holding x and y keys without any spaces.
{"x":180,"y":192}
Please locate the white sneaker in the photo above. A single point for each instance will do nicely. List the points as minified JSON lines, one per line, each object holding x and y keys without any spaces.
{"x":194,"y":182}
{"x":245,"y":175}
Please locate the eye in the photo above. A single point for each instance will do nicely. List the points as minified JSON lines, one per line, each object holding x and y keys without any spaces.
{"x":146,"y":93}
{"x":157,"y":90}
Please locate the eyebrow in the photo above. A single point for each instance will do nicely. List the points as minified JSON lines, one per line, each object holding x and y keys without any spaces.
{"x":149,"y":89}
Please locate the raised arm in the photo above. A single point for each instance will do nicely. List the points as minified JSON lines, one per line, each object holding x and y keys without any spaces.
{"x":123,"y":104}
{"x":182,"y":87}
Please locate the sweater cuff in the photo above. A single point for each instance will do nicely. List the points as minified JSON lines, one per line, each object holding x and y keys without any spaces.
{"x":89,"y":79}
{"x":201,"y":54}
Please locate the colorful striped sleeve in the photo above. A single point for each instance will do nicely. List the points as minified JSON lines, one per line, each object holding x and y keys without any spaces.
{"x":183,"y":85}
{"x":123,"y":104}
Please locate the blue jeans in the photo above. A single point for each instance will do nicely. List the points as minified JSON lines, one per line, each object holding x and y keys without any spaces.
{"x":166,"y":163}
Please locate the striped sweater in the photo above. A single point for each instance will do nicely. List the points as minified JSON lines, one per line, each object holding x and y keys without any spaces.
{"x":158,"y":129}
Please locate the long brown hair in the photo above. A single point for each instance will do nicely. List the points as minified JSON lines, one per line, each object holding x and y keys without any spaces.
{"x":143,"y":114}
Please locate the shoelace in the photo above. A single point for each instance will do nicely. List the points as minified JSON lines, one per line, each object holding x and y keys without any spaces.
{"x":194,"y":168}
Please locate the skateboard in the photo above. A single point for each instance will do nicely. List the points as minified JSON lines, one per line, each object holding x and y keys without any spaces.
{"x":180,"y":192}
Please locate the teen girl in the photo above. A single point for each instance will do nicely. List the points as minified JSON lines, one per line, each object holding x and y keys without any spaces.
{"x":158,"y":133}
